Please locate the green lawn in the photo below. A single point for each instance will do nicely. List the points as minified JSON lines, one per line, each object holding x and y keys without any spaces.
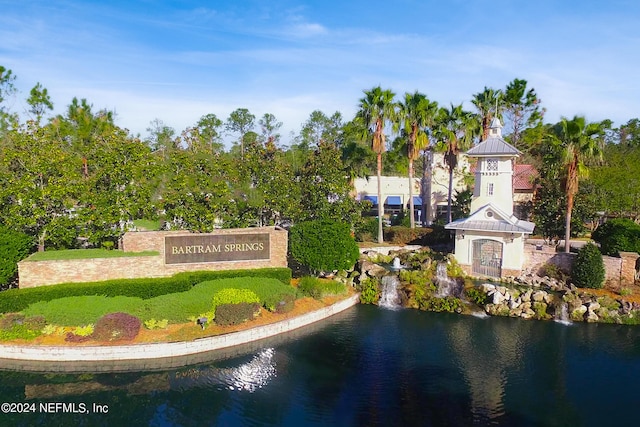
{"x":86,"y":254}
{"x":147,"y":224}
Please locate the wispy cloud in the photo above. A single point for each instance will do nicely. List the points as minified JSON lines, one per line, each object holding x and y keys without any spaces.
{"x":178,"y":62}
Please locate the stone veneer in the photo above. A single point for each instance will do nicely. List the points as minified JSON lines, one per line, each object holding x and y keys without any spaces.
{"x":40,"y":273}
{"x":37,"y":358}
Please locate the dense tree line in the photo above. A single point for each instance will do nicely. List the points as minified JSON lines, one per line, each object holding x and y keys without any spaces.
{"x":78,"y":177}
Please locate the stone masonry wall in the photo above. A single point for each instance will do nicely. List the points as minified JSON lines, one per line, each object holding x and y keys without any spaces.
{"x":40,"y":273}
{"x":619,"y":272}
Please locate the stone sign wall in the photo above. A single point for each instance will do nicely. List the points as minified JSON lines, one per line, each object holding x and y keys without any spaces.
{"x":178,"y":251}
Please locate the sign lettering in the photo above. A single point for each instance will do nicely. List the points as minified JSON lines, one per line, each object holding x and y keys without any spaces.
{"x":199,"y":248}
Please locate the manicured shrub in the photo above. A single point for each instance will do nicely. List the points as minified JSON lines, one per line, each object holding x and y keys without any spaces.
{"x":234,"y":314}
{"x":588,"y":268}
{"x":82,"y":310}
{"x":116,"y":327}
{"x":234,"y":296}
{"x":319,"y":288}
{"x":14,"y":247}
{"x":323,"y":245}
{"x":618,"y":235}
{"x":14,"y":300}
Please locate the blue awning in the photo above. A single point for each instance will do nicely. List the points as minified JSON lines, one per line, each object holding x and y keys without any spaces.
{"x":372,"y":199}
{"x":394,"y":200}
{"x":417,"y":202}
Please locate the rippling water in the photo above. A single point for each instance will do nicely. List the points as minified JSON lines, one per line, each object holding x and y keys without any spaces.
{"x":371,"y":367}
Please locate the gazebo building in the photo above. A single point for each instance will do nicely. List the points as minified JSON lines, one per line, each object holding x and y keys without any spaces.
{"x":490,"y":242}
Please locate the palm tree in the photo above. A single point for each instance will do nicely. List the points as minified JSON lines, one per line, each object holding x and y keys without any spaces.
{"x":376,"y":109}
{"x":416,"y":113}
{"x":456,"y":129}
{"x":579,"y":142}
{"x":488,"y":103}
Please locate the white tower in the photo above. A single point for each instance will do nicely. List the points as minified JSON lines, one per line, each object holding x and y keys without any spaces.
{"x":494,"y":171}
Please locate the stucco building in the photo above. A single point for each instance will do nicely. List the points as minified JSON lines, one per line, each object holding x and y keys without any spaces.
{"x":395,"y":189}
{"x":490,"y":242}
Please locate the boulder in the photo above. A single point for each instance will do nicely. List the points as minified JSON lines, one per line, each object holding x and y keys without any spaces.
{"x":591,"y":317}
{"x":538,"y":296}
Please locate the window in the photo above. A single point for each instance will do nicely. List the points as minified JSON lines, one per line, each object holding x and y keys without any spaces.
{"x":492,"y":165}
{"x":490,"y":189}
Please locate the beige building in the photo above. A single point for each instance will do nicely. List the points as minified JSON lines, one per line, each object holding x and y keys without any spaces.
{"x":395,"y":189}
{"x":490,"y":242}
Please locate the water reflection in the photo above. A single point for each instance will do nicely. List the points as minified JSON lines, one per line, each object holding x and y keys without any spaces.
{"x":248,"y":376}
{"x":372,"y":367}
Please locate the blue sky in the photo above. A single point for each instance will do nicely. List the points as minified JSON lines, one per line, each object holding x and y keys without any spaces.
{"x":179,"y":60}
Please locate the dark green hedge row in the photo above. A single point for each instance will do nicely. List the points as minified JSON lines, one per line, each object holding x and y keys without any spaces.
{"x":13,"y":300}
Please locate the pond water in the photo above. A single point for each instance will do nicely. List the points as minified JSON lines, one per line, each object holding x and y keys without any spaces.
{"x":365,"y":367}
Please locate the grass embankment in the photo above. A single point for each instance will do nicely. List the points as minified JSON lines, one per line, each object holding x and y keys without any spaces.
{"x":166,"y":317}
{"x":68,"y":254}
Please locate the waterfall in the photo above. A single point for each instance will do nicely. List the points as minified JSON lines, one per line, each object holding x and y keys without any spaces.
{"x":563,"y":315}
{"x":445,"y":286}
{"x":389,"y":296}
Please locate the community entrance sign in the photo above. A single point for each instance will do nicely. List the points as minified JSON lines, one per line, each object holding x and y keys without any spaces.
{"x":202,"y":248}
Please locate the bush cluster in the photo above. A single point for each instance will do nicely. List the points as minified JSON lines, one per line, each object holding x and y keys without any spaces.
{"x":14,"y":247}
{"x":367,"y":229}
{"x":369,"y":290}
{"x":82,"y":310}
{"x":447,"y":304}
{"x":116,"y":327}
{"x":405,"y":235}
{"x":19,"y":299}
{"x":320,"y":288}
{"x":476,"y":296}
{"x":588,"y":268}
{"x":618,"y":235}
{"x":323,"y":245}
{"x":234,"y":314}
{"x":18,"y":326}
{"x":174,"y":308}
{"x":286,"y":304}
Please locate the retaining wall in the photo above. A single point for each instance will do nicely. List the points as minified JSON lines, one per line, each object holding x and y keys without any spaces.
{"x":40,"y":273}
{"x":122,"y":353}
{"x":619,"y":272}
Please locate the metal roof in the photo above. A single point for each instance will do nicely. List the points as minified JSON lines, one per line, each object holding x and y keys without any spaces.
{"x":500,"y":222}
{"x":499,"y":226}
{"x":493,"y":147}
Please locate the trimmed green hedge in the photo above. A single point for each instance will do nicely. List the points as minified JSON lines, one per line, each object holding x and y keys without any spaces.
{"x":175,"y":307}
{"x":323,"y":245}
{"x":14,"y":300}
